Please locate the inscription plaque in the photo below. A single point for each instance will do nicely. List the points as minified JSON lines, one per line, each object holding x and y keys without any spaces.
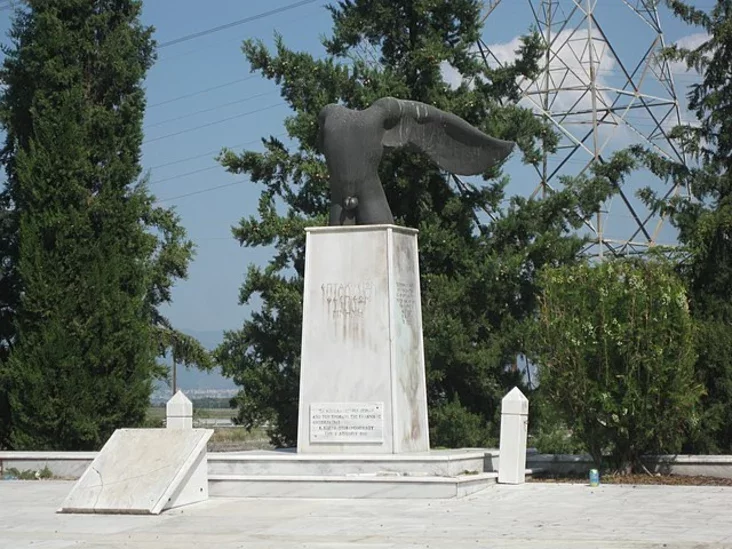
{"x":347,"y":422}
{"x":346,"y":300}
{"x":406,"y":297}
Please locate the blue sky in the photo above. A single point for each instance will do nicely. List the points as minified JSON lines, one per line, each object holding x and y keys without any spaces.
{"x":182,"y":141}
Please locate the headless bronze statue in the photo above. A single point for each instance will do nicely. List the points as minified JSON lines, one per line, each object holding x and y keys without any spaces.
{"x":354,"y":142}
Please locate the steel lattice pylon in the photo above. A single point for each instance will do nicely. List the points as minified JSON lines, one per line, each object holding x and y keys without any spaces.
{"x":599,"y":99}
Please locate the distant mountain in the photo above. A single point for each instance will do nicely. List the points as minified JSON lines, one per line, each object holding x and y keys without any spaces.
{"x":193,"y":378}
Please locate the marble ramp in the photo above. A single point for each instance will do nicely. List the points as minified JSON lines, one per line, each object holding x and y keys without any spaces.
{"x":143,"y":471}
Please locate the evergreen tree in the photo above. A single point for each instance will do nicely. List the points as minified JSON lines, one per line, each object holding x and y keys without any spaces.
{"x":705,"y":222}
{"x":8,"y":296}
{"x":477,"y":273}
{"x":89,"y":258}
{"x":8,"y":302}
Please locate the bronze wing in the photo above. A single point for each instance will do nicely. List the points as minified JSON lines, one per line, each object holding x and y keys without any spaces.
{"x":452,"y":143}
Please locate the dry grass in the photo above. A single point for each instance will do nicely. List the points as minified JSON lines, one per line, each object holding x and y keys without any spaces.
{"x":237,"y":439}
{"x":644,"y":479}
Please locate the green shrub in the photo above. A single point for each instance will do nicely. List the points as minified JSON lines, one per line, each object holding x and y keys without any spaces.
{"x":615,"y":348}
{"x":453,"y":426}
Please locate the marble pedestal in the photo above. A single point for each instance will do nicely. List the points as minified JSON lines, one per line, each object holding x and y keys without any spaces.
{"x":362,"y":375}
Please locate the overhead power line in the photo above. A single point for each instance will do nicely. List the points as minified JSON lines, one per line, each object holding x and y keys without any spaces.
{"x":209,"y":154}
{"x":210,"y":109}
{"x":202,"y":155}
{"x":182,"y":175}
{"x":189,"y":158}
{"x":202,"y":191}
{"x":249,"y":19}
{"x":298,"y":17}
{"x":199,"y":170}
{"x":220,"y":86}
{"x":200,"y":92}
{"x":214,"y":123}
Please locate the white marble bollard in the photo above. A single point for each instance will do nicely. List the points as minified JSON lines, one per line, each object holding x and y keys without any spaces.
{"x":514,"y":430}
{"x":179,"y":412}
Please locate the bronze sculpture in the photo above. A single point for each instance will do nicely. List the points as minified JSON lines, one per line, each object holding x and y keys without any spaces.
{"x":353,"y":143}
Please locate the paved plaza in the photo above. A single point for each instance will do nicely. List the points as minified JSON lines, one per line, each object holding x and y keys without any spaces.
{"x":532,"y":515}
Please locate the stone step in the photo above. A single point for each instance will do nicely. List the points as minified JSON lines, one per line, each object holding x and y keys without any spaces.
{"x":437,"y":463}
{"x":348,"y":486}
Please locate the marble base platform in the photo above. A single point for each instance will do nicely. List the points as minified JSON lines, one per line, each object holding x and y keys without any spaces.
{"x":286,"y":473}
{"x":362,"y":374}
{"x":143,"y":471}
{"x":349,"y":487}
{"x":437,"y":463}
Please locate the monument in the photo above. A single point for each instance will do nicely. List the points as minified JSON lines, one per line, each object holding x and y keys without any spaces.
{"x":362,"y":427}
{"x":362,"y":374}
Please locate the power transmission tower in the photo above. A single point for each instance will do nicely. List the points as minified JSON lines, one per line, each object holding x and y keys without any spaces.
{"x":601,"y":92}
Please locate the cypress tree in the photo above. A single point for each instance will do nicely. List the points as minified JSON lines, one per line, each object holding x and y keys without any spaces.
{"x":91,"y":257}
{"x":8,"y":299}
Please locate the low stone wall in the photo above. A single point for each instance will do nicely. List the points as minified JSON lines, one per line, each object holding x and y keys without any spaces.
{"x":687,"y":465}
{"x":559,"y":464}
{"x":708,"y":466}
{"x":71,"y":465}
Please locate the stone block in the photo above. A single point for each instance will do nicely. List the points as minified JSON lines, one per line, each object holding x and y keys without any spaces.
{"x":143,"y":471}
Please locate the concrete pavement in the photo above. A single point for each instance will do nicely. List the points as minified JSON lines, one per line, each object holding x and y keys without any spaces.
{"x":530,"y":515}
